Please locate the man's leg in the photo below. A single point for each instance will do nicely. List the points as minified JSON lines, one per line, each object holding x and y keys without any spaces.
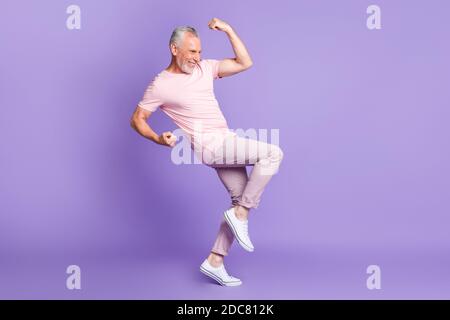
{"x":229,"y":161}
{"x":266,"y":160}
{"x":234,"y":179}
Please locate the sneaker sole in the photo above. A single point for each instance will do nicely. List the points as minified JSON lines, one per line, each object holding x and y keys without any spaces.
{"x":230,"y":224}
{"x":217,"y":279}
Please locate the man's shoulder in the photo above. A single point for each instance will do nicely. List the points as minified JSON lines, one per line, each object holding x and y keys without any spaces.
{"x":211,"y":65}
{"x":159,"y":78}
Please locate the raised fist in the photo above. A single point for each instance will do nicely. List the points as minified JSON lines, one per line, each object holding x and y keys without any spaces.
{"x":217,"y":24}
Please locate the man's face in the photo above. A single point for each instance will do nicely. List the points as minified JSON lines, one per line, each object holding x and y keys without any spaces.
{"x":187,"y":55}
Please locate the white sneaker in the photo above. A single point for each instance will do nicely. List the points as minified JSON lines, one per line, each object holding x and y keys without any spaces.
{"x":239,"y":228}
{"x":219,"y":274}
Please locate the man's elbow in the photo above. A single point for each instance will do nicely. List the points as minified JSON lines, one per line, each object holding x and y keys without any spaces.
{"x":247,"y":65}
{"x":134,"y":122}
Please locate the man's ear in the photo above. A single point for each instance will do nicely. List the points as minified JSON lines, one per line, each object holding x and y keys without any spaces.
{"x":173,"y":49}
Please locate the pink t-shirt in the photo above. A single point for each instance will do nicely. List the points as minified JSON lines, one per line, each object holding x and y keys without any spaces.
{"x":189,"y":100}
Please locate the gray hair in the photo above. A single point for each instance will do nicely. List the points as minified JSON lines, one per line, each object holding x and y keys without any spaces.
{"x":178,"y":34}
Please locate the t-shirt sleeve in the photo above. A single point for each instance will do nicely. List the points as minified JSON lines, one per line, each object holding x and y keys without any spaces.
{"x":151,"y":99}
{"x":214,"y":66}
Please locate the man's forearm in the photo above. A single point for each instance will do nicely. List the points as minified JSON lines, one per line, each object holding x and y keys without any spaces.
{"x":241,"y":53}
{"x":144,"y":130}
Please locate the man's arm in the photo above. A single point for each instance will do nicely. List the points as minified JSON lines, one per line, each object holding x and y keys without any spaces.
{"x":139,"y":123}
{"x":242,"y":61}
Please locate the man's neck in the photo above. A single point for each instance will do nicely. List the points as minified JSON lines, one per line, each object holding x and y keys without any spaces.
{"x":173,"y":68}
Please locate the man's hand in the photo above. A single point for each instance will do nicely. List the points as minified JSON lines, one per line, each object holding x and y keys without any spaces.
{"x":217,"y":24}
{"x":167,"y":139}
{"x":242,"y":61}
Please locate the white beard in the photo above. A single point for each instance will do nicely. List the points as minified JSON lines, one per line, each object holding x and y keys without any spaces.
{"x":185,"y":67}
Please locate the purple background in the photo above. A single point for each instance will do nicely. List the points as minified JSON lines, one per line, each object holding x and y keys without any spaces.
{"x":363,"y":118}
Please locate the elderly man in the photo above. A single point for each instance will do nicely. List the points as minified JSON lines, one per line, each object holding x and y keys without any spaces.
{"x":184,"y":91}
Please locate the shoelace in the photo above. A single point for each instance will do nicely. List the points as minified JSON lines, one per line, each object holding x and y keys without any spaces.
{"x":224,"y":274}
{"x":245,"y":227}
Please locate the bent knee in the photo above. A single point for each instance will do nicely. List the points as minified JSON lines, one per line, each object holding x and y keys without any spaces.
{"x":277,"y":153}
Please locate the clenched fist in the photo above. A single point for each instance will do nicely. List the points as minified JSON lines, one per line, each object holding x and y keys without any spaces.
{"x":167,"y":139}
{"x":217,"y":24}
